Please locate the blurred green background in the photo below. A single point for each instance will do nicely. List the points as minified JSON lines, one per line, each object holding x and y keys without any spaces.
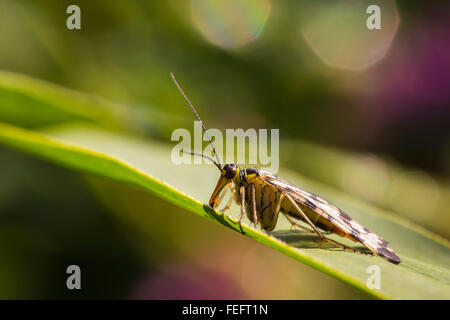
{"x":365,"y":111}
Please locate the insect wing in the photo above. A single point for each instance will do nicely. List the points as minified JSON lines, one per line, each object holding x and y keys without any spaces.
{"x":333,"y":214}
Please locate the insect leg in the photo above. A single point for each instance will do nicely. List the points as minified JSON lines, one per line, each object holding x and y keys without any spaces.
{"x":224,"y":191}
{"x":230,"y":201}
{"x":293,"y":222}
{"x":322,"y":237}
{"x":277,"y":209}
{"x":242,"y":190}
{"x":253,"y":199}
{"x":280,"y":199}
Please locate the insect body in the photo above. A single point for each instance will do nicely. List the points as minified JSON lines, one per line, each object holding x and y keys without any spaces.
{"x":263,"y":195}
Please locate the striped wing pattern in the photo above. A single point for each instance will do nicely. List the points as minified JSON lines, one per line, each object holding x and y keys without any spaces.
{"x":333,"y":214}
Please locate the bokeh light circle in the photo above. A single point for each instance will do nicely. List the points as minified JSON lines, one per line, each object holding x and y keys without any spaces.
{"x":230,"y":23}
{"x":337,"y":32}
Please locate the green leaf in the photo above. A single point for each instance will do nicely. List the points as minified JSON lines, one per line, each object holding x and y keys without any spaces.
{"x":30,"y":103}
{"x":423,"y":273}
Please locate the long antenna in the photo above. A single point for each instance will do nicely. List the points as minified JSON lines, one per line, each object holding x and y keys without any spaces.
{"x":196,"y":114}
{"x":203,"y":156}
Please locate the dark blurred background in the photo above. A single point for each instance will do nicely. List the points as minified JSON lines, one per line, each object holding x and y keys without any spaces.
{"x":374,"y":103}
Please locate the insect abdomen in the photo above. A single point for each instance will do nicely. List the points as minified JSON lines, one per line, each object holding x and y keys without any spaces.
{"x":266,"y":198}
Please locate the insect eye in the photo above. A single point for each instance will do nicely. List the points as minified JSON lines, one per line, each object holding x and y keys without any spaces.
{"x":230,"y":170}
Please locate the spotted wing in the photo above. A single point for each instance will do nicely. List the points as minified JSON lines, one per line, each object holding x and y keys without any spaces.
{"x":333,"y":214}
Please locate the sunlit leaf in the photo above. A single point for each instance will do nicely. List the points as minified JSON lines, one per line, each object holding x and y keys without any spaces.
{"x":422,"y":274}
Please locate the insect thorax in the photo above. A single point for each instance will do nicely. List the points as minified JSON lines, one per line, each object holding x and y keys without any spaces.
{"x":245,"y":176}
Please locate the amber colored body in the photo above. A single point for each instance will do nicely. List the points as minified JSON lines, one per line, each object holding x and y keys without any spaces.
{"x":262,"y":196}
